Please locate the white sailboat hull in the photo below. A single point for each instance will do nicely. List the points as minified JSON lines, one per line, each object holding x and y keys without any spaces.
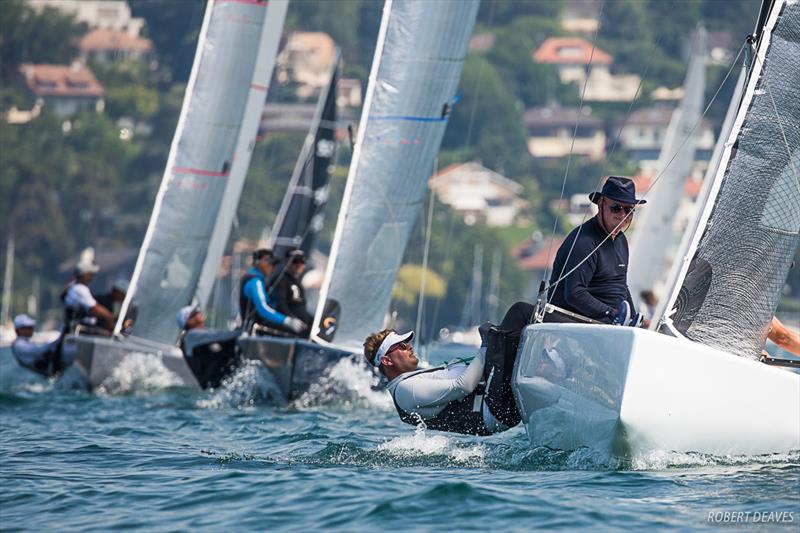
{"x":99,"y":358}
{"x":625,"y":392}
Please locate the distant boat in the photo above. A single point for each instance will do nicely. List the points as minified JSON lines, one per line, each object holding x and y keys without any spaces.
{"x":415,"y":73}
{"x":200,"y":190}
{"x":696,"y":385}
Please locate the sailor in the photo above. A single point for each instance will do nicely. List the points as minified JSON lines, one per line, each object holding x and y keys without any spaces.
{"x":189,"y":318}
{"x":289,"y":293}
{"x":81,"y":308}
{"x":255,"y":303}
{"x":593,"y":260}
{"x":112,"y":299}
{"x":42,"y":358}
{"x":474,"y":398}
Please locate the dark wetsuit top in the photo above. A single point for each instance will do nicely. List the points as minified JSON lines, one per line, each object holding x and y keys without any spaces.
{"x":596,"y":287}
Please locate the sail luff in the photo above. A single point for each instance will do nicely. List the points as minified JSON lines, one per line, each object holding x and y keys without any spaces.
{"x":264,"y":65}
{"x":412,"y":85}
{"x":348,"y":189}
{"x":654,"y":232}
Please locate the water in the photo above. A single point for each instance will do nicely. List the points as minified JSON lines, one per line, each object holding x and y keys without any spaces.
{"x":141,"y":456}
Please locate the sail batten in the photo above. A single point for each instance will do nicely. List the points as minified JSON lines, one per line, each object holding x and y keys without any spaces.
{"x":207,"y":163}
{"x":751,"y":231}
{"x":415,"y":73}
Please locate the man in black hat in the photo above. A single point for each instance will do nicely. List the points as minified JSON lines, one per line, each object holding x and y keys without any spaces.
{"x":590,"y":271}
{"x":290,"y":296}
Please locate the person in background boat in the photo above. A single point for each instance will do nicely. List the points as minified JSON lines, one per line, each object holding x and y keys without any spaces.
{"x":46,"y":359}
{"x":290,"y":296}
{"x":112,"y":300}
{"x":256,"y":304}
{"x":598,"y":251}
{"x":81,"y":308}
{"x":650,"y":302}
{"x":783,"y":337}
{"x":189,"y":318}
{"x":454,"y":397}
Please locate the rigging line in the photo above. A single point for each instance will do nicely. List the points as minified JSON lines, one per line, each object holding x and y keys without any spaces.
{"x":478,"y":84}
{"x":421,"y":300}
{"x":699,"y":120}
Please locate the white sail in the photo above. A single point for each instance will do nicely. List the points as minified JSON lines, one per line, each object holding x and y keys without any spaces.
{"x":8,"y":281}
{"x":750,"y":227}
{"x":415,"y":73}
{"x":654,"y":234}
{"x":208,"y":161}
{"x":682,"y":257}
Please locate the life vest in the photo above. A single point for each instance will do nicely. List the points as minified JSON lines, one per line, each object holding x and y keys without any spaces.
{"x":49,"y":365}
{"x":459,"y":416}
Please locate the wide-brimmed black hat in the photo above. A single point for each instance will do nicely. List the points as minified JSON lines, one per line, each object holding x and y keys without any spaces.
{"x":620,"y":189}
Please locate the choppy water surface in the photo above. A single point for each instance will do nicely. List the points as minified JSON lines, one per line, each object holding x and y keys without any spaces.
{"x":146,"y":455}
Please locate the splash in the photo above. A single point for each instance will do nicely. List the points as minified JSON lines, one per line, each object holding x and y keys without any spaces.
{"x":249,"y":385}
{"x":348,"y":383}
{"x":421,"y":444}
{"x":664,"y":460}
{"x":139,"y":371}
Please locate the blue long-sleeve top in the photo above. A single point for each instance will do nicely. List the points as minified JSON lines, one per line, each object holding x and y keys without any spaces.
{"x":596,"y":287}
{"x":255,"y":290}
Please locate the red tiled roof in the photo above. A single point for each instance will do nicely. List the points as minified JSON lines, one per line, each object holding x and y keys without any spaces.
{"x":538,"y":260}
{"x":100,"y":40}
{"x":61,"y":80}
{"x":643,"y":182}
{"x":570,"y":51}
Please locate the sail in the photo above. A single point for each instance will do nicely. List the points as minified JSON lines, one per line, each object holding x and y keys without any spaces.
{"x":654,"y":234}
{"x":207,"y":163}
{"x":751,"y":229}
{"x":300,"y":216}
{"x":682,"y":257}
{"x":415,"y":73}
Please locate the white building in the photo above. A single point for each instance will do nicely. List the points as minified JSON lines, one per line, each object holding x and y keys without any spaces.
{"x":106,"y":14}
{"x":643,"y":134}
{"x":550,"y":133}
{"x":479,"y":194}
{"x":64,"y":89}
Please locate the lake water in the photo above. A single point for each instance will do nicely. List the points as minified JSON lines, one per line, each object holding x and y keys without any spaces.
{"x":142,"y":456}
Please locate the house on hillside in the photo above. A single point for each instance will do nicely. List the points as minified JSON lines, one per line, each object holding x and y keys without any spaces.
{"x":580,"y":16}
{"x":571,"y":55}
{"x":643,"y":134}
{"x":64,"y":89}
{"x":550,"y":131}
{"x":478,"y":194}
{"x":306,"y":61}
{"x":103,"y":14}
{"x":106,"y":45}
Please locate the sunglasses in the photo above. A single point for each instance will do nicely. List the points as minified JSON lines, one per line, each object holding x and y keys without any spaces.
{"x":399,"y":346}
{"x":617,"y":208}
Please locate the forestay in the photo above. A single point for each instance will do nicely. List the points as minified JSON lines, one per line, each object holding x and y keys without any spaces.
{"x":654,"y":234}
{"x":300,"y":216}
{"x":752,"y":228}
{"x":418,"y":61}
{"x":207,"y":163}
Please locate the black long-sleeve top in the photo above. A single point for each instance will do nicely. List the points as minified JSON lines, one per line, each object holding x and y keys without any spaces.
{"x":290,"y":298}
{"x":596,"y":287}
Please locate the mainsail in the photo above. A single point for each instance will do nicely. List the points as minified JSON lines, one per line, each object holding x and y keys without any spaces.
{"x":751,"y":228}
{"x":207,"y":163}
{"x":654,"y":234}
{"x":300,"y":216}
{"x":415,"y":73}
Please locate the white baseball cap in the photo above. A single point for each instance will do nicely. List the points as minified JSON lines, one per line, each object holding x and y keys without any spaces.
{"x":24,"y":321}
{"x":390,"y":340}
{"x":86,"y":267}
{"x":183,"y":315}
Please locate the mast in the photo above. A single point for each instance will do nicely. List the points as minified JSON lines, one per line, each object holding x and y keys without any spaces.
{"x":8,"y":281}
{"x":418,"y":60}
{"x":207,"y":163}
{"x":299,"y":219}
{"x":750,"y":228}
{"x":654,"y":234}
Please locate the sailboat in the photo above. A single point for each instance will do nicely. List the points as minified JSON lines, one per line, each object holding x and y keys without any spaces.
{"x":415,"y":72}
{"x":696,"y":384}
{"x":200,"y":190}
